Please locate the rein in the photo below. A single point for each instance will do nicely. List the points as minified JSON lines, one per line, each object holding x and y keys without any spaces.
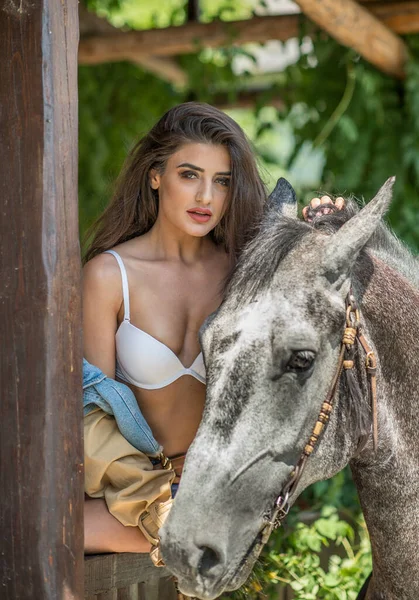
{"x":353,"y":333}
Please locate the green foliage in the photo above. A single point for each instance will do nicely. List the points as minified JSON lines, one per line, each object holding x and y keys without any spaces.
{"x":295,"y":560}
{"x":364,"y":123}
{"x":322,"y":550}
{"x":143,"y":15}
{"x":328,"y":558}
{"x":104,"y":7}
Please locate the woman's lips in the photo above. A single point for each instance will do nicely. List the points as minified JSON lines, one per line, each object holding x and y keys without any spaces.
{"x":200,"y":216}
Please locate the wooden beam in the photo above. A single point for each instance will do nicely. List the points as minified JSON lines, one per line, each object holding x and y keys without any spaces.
{"x":184,"y":39}
{"x":354,"y":26}
{"x":400,"y":17}
{"x":41,"y":477}
{"x":97,"y":46}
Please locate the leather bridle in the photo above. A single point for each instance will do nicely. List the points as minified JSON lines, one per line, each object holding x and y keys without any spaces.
{"x":353,"y":333}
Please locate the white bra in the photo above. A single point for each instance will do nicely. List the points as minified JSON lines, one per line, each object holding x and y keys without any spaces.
{"x":140,"y":358}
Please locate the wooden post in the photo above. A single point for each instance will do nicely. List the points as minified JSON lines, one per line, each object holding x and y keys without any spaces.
{"x":354,"y":26}
{"x":41,"y":501}
{"x":192,"y":11}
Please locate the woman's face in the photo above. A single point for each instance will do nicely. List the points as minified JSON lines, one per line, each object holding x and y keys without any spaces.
{"x":194,"y":187}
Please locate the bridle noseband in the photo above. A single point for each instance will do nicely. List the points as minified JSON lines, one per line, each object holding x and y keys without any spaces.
{"x":352,"y":333}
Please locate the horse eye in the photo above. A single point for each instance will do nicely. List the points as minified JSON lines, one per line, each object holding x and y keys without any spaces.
{"x":301,"y":361}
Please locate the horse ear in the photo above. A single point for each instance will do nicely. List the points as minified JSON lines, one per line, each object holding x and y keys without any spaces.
{"x":283,"y":199}
{"x":343,"y":247}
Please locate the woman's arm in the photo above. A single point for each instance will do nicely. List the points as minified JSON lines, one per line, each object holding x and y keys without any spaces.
{"x":102,"y":299}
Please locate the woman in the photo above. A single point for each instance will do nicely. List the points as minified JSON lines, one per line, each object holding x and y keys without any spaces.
{"x":188,"y":199}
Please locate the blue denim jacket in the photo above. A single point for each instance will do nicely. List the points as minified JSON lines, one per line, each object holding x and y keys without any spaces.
{"x":118,"y":400}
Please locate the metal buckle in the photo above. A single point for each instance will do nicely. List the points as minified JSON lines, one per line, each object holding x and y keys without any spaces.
{"x":282,"y":509}
{"x":281,"y":502}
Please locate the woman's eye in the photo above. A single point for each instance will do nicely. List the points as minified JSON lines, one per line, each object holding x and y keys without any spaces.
{"x":301,"y":361}
{"x":188,"y":174}
{"x":224,"y":181}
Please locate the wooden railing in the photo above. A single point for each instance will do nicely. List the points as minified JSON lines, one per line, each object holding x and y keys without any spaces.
{"x":126,"y":577}
{"x":134,"y":577}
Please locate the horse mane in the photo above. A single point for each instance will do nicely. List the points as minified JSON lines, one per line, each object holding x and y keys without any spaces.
{"x":277,"y":237}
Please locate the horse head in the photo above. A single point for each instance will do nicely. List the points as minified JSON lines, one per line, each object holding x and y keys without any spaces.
{"x":271,"y":353}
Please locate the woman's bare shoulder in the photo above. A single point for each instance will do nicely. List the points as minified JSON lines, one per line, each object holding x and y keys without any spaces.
{"x":102,"y":301}
{"x":102,"y":266}
{"x":101,"y":275}
{"x":137,"y":249}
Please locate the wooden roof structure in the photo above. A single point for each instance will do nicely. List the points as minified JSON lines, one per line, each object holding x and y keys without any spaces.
{"x":372,"y":27}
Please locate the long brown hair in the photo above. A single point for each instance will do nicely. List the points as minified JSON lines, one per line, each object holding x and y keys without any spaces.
{"x":134,"y":206}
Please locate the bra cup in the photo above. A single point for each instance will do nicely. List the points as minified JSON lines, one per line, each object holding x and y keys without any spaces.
{"x":147,"y":363}
{"x":198,"y":366}
{"x":142,"y":359}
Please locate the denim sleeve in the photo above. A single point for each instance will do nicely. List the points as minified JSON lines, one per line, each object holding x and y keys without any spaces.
{"x":118,"y":400}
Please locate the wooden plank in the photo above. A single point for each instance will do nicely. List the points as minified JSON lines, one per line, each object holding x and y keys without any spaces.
{"x":167,"y":590}
{"x":150,"y":590}
{"x":354,"y":26}
{"x":129,"y":593}
{"x":103,"y":572}
{"x":157,"y":589}
{"x":41,"y":453}
{"x":111,"y":595}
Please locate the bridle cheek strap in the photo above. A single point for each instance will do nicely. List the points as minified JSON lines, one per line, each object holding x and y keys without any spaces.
{"x":371,"y":367}
{"x":352,"y":333}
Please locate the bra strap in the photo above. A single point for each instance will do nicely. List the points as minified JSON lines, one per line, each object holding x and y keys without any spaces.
{"x":125,"y":289}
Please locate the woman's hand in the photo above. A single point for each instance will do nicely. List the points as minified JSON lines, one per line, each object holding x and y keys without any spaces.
{"x":322,"y":206}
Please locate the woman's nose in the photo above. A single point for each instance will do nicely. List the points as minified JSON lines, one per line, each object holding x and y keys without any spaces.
{"x":205,"y":192}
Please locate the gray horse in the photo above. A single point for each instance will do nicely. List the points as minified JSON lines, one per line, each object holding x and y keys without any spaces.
{"x":272,"y":351}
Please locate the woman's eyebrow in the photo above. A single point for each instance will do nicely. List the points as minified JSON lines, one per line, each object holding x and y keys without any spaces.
{"x":191,"y":166}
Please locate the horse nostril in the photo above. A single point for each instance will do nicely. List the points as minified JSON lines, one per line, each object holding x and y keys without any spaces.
{"x":209,"y":560}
